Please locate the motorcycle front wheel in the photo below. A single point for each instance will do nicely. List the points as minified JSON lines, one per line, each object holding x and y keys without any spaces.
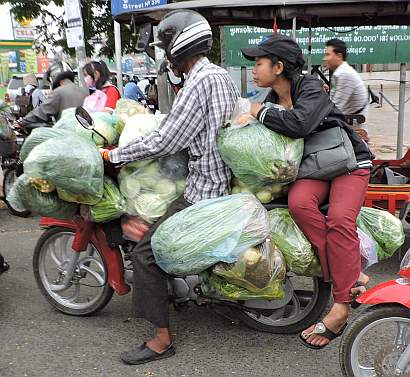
{"x":309,"y":300}
{"x":9,"y":177}
{"x":374,"y":341}
{"x":87,"y":290}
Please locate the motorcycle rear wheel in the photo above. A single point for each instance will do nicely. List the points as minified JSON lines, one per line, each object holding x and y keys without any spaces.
{"x":9,"y":177}
{"x":304,"y":309}
{"x":379,"y":356}
{"x":88,"y":291}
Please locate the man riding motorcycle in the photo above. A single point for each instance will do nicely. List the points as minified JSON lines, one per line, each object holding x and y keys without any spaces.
{"x":65,"y":94}
{"x":200,"y":109}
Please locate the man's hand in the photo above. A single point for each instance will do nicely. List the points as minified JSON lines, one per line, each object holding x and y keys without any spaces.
{"x":17,"y":125}
{"x":326,"y":87}
{"x":105,"y":154}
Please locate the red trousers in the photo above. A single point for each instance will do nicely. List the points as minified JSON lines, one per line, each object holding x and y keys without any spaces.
{"x":334,"y":238}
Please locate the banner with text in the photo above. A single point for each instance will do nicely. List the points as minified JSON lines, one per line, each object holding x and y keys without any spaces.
{"x":366,"y":44}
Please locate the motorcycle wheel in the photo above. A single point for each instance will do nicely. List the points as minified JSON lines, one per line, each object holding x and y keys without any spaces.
{"x":9,"y":177}
{"x":373,"y":342}
{"x":309,"y":301}
{"x":88,"y":291}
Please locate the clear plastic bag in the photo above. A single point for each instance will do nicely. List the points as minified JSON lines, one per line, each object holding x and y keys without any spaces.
{"x":293,"y":244}
{"x":258,"y":270}
{"x":368,"y":249}
{"x":241,"y":115}
{"x":148,"y":193}
{"x":133,"y":228}
{"x":24,"y":196}
{"x":71,"y":164}
{"x":265,"y":194}
{"x":104,"y":124}
{"x":260,"y":157}
{"x":126,"y":108}
{"x":111,"y":206}
{"x":40,"y":135}
{"x":384,"y":228}
{"x":208,"y":232}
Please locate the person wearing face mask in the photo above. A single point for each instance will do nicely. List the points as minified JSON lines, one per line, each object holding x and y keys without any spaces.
{"x":65,"y":94}
{"x":97,"y":77}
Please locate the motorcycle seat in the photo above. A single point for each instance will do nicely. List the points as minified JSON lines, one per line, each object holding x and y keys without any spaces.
{"x":283,"y":203}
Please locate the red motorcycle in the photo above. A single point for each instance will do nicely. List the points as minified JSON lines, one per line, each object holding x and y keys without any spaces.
{"x":377,"y":342}
{"x":78,"y":265}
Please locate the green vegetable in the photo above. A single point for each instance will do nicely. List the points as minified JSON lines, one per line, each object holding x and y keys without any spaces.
{"x":126,"y":108}
{"x":260,"y":157}
{"x":291,"y":241}
{"x":138,"y":126}
{"x":71,"y":164}
{"x":111,"y":206}
{"x":265,"y":196}
{"x":255,"y":269}
{"x":24,"y":196}
{"x":210,"y":231}
{"x":384,"y":228}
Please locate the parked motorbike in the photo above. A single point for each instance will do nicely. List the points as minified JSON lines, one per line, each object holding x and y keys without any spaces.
{"x":78,"y":265}
{"x":377,"y":342}
{"x":11,"y":164}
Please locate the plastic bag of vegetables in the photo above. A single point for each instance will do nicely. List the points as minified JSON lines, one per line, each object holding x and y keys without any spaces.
{"x":71,"y":164}
{"x":293,"y":244}
{"x":265,"y":194}
{"x":40,"y":135}
{"x":384,"y":228}
{"x":126,"y":108}
{"x":260,"y":157}
{"x":368,"y":249}
{"x":148,"y":193}
{"x":111,"y":206}
{"x":259,"y":269}
{"x":103,"y":124}
{"x":210,"y":231}
{"x":24,"y":196}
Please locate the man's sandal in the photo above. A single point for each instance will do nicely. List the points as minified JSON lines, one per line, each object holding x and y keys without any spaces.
{"x":322,"y":330}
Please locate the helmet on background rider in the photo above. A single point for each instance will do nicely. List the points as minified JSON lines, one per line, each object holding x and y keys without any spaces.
{"x":183,"y":34}
{"x":58,"y":71}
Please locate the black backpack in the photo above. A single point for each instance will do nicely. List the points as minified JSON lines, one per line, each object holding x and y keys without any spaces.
{"x":23,"y":103}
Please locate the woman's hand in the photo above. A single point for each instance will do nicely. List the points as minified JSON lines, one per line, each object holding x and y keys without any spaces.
{"x":255,"y":108}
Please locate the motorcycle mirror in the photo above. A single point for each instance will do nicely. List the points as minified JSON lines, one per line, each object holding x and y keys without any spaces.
{"x":143,"y":37}
{"x":84,"y":118}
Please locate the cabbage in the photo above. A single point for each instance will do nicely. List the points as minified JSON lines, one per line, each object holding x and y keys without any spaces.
{"x":126,"y":108}
{"x":103,"y":123}
{"x":210,"y":231}
{"x":149,"y":206}
{"x":260,"y":157}
{"x":24,"y":196}
{"x":138,"y":126}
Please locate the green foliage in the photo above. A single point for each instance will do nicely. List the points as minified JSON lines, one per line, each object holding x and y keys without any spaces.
{"x":98,"y":26}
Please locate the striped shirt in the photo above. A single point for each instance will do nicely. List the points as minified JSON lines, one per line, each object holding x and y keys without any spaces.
{"x":200,"y":109}
{"x":348,"y":92}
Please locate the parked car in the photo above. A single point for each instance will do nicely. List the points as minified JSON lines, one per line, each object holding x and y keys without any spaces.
{"x":16,"y":82}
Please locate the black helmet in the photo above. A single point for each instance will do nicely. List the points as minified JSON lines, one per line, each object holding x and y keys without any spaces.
{"x":183,"y":34}
{"x":56,"y":69}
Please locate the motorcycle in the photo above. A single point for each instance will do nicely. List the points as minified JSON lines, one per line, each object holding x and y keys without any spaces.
{"x":79,"y":264}
{"x":11,"y":164}
{"x":377,"y":342}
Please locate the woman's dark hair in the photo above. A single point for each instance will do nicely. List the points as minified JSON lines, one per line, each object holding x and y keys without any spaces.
{"x":339,"y":47}
{"x":289,"y":70}
{"x":102,"y":68}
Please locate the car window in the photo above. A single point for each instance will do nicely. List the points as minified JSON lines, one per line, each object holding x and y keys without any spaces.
{"x":15,"y":83}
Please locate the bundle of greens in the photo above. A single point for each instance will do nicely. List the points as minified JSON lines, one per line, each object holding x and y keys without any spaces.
{"x":24,"y":196}
{"x":210,"y":231}
{"x":260,"y":157}
{"x":384,"y":228}
{"x":126,"y":108}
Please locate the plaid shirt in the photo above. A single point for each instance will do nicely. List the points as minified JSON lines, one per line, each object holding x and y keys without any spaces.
{"x":200,"y":109}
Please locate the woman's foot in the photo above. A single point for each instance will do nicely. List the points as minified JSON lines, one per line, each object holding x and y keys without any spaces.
{"x":334,"y":321}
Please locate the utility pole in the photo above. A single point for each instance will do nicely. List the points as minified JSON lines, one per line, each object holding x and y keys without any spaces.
{"x":75,"y":34}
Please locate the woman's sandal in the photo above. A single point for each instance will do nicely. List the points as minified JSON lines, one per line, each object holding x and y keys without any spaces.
{"x":322,"y":330}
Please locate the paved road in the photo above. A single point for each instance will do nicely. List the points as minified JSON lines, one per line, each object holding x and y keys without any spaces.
{"x":36,"y":340}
